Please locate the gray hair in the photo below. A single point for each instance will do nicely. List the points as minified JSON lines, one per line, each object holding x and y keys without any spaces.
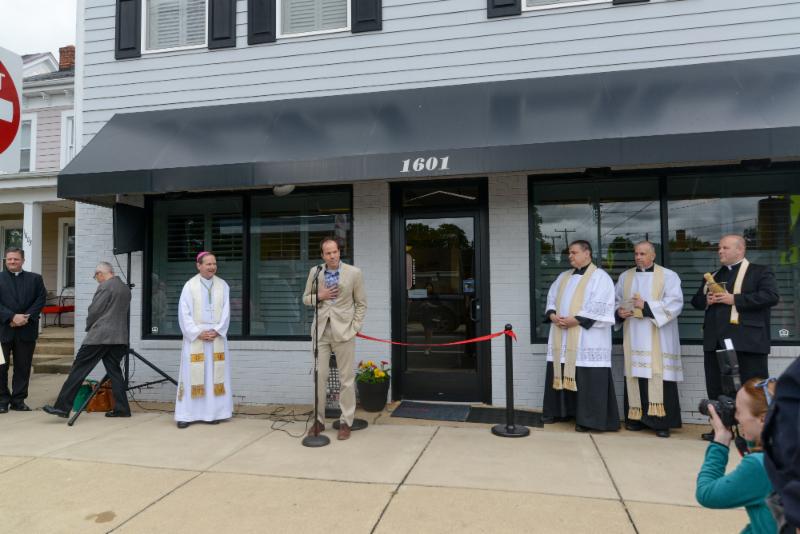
{"x":738,"y":239}
{"x":648,"y":243}
{"x":104,"y":267}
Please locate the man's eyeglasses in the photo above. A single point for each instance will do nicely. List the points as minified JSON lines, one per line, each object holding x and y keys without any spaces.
{"x":764,"y":385}
{"x":95,"y":274}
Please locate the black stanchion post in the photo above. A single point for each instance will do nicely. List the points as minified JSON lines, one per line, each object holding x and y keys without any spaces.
{"x":510,"y":430}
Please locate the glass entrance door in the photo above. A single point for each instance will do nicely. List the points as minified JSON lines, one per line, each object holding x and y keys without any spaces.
{"x":441,"y":305}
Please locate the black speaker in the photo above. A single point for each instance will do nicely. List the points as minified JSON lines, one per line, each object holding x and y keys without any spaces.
{"x":129,"y":223}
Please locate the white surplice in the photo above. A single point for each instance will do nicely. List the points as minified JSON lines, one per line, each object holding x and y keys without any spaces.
{"x":193,"y":322}
{"x":665,"y":310}
{"x":594,"y":346}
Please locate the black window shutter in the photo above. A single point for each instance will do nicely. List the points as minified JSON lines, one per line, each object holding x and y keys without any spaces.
{"x":366,"y":15}
{"x":503,"y":8}
{"x":260,"y":21}
{"x":128,"y":29}
{"x":221,"y":23}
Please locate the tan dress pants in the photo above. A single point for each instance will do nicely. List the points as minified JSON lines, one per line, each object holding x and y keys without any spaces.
{"x":345,"y":355}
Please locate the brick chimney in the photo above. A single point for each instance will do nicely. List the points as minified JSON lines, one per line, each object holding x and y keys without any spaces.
{"x":66,"y":60}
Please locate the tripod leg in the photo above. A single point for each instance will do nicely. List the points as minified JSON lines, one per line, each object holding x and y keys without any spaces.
{"x":86,"y":402}
{"x":152,"y":366}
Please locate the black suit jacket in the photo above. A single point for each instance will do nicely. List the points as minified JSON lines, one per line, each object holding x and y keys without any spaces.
{"x":26,"y":295}
{"x":759,"y":294}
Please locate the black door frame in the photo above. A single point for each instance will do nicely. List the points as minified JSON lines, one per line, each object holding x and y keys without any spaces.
{"x":482,"y":282}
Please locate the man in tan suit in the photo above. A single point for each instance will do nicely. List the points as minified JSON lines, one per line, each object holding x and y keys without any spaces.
{"x":342,"y":307}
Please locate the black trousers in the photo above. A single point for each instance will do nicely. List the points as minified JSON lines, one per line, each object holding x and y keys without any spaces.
{"x":85,"y":361}
{"x":21,"y":353}
{"x":751,"y":365}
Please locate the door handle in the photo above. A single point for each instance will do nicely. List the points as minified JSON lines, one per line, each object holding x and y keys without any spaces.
{"x":475,"y":310}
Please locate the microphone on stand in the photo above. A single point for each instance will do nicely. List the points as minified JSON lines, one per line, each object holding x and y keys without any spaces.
{"x":319,"y":440}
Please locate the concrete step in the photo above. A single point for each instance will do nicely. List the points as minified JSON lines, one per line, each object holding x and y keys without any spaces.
{"x":52,"y":364}
{"x":49,"y":347}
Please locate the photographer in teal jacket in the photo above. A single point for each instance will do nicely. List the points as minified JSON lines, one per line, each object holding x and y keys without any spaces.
{"x":747,"y":485}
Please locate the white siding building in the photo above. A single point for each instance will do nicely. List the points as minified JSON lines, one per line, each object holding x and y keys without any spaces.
{"x":456,"y":146}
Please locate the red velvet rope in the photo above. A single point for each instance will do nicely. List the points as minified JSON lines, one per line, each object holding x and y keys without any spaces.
{"x":509,"y":333}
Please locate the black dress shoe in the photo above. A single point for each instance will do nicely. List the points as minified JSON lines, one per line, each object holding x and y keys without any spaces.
{"x":21,"y":407}
{"x":3,"y":408}
{"x":581,"y":428}
{"x":214,"y":422}
{"x":114,"y":413}
{"x":548,"y":419}
{"x":634,"y":426}
{"x":662,"y":433}
{"x":708,"y":436}
{"x":183,"y":424}
{"x":52,"y":410}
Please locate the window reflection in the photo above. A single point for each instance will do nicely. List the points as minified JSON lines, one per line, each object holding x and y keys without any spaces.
{"x":611,"y":215}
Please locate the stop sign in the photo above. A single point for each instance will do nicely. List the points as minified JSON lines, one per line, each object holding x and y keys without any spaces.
{"x":10,"y":109}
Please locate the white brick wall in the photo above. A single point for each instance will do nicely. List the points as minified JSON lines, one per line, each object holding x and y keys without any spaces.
{"x":279,"y":371}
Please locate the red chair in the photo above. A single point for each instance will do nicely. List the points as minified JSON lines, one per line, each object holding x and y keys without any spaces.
{"x":59,"y":307}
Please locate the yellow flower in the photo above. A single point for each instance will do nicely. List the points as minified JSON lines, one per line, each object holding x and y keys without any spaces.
{"x":379,"y":373}
{"x":370,"y":363}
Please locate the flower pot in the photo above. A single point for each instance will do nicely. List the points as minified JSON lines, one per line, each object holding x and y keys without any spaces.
{"x":372,"y":396}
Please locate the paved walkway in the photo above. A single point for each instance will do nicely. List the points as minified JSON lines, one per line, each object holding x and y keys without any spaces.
{"x":252,"y":475}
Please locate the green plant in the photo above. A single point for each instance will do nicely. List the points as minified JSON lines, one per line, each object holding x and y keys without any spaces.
{"x":370,"y":373}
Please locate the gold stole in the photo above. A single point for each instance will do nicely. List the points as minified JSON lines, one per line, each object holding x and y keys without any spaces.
{"x":655,"y":386}
{"x":737,"y":289}
{"x":197,"y":365}
{"x":573,"y":333}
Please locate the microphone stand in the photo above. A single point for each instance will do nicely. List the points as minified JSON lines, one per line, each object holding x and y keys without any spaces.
{"x":318,"y":440}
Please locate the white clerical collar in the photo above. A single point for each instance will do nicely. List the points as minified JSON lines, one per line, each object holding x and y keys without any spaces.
{"x":208,"y":282}
{"x":730,"y":267}
{"x":16,"y":273}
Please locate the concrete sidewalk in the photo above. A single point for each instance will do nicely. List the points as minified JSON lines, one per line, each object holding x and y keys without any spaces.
{"x":251,"y":474}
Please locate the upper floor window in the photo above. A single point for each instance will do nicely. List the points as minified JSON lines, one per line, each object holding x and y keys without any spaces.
{"x":67,"y":137}
{"x":174,"y":24}
{"x":303,"y":17}
{"x":545,"y":4}
{"x":27,"y":143}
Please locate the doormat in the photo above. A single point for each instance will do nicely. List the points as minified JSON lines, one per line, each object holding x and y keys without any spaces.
{"x":498,"y":416}
{"x":430,"y":410}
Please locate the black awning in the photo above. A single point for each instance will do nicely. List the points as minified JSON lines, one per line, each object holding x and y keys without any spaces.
{"x":662,"y":116}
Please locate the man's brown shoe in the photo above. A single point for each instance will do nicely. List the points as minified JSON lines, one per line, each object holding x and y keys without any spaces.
{"x":344,"y":431}
{"x":316,"y":428}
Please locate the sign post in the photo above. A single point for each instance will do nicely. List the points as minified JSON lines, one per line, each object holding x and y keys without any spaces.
{"x":10,"y":109}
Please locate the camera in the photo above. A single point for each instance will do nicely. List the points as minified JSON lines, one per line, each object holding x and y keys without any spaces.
{"x":725,"y":407}
{"x":725,"y":404}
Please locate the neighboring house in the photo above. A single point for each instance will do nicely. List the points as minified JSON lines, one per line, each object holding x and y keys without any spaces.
{"x":31,"y":215}
{"x":456,"y":146}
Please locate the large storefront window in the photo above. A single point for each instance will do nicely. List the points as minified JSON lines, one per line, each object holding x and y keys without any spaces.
{"x":762,"y":208}
{"x":615,"y":214}
{"x":267,"y":277}
{"x":181,"y":229}
{"x":285,"y":233}
{"x":611,"y":215}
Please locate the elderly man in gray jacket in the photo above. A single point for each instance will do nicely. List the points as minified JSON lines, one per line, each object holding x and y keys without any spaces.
{"x":107,"y":340}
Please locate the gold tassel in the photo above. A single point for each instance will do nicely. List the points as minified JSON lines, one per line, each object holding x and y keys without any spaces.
{"x":219,"y":389}
{"x":557,"y":384}
{"x":656,"y":410}
{"x":634,"y":413}
{"x":198,"y":391}
{"x":569,"y":383}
